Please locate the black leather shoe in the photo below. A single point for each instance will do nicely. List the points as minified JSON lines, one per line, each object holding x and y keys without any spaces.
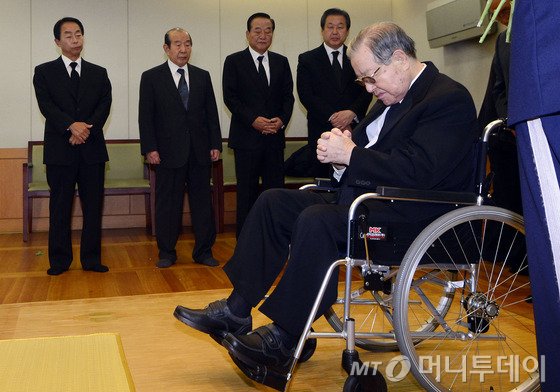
{"x":96,"y":268}
{"x":262,"y":347}
{"x":53,"y":271}
{"x":263,"y":375}
{"x":216,"y":320}
{"x":165,"y":263}
{"x":209,"y":262}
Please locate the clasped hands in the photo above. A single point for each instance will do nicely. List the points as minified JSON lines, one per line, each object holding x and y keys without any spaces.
{"x":267,"y":126}
{"x":342,"y":119}
{"x":335,"y":147}
{"x":80,"y":132}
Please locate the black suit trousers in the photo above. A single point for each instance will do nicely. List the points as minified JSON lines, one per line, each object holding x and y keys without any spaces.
{"x":250,"y":165}
{"x":315,"y":230}
{"x":171,"y":184}
{"x":62,"y":180}
{"x":303,"y":232}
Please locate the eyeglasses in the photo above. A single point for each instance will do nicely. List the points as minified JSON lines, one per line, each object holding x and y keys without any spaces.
{"x":363,"y":80}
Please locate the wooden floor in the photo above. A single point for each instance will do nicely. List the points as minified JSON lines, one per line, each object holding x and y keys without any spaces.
{"x":137,"y":300}
{"x":130,"y":254}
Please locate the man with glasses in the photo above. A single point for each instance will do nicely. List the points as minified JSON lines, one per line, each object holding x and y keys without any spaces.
{"x":325,"y":84}
{"x":420,"y":134}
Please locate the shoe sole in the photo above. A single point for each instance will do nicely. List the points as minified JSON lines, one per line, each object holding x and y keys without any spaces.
{"x":218,"y":337}
{"x":308,"y":350}
{"x":262,"y":374}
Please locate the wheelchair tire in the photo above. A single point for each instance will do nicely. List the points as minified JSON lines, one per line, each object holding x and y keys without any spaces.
{"x":480,"y":252}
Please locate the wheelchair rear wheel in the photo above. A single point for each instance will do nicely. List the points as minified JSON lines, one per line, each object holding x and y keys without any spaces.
{"x":486,"y":338}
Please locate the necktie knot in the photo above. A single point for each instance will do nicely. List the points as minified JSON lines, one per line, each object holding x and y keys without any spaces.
{"x":181,"y":71}
{"x":73,"y":65}
{"x":335,"y":55}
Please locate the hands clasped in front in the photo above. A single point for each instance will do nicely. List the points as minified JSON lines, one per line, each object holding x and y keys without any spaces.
{"x":80,"y":132}
{"x":335,"y":147}
{"x":267,"y":126}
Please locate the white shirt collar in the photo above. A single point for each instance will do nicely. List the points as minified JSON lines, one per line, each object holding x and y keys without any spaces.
{"x":417,"y":76}
{"x":329,"y":50}
{"x":174,"y":67}
{"x":67,"y":62}
{"x":255,"y":55}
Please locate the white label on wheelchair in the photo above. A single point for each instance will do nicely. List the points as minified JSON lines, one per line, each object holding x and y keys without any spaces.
{"x":376,"y":233}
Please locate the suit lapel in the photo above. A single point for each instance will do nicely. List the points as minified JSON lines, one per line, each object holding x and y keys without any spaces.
{"x":62,"y":74}
{"x":414,"y":95}
{"x":359,"y":135}
{"x":348,"y":75}
{"x":85,"y":79}
{"x":168,"y":84}
{"x":324,"y":59}
{"x":195,"y":85}
{"x":254,"y":73}
{"x":326,"y":65}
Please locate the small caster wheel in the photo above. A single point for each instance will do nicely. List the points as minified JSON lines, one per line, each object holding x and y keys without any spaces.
{"x":365,"y":383}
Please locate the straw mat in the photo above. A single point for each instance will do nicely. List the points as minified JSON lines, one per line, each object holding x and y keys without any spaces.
{"x":88,"y":363}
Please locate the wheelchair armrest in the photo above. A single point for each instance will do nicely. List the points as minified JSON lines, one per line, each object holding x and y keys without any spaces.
{"x":421,"y":195}
{"x":320,"y":185}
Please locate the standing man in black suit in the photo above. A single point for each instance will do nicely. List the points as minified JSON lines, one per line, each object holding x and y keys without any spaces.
{"x":421,"y":133}
{"x":325,"y":84}
{"x":180,"y":135}
{"x":258,"y":90}
{"x":75,"y":98}
{"x":502,"y":151}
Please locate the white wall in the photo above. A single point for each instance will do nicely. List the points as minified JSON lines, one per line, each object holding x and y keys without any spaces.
{"x":467,"y":62}
{"x":126,"y":37}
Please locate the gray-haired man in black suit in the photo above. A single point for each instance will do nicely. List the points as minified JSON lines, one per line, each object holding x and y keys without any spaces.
{"x":180,"y":135}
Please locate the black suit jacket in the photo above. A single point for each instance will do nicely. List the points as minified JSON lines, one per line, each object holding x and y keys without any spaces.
{"x":322,"y":96}
{"x":247,"y":99}
{"x":495,"y":101}
{"x":167,"y":127}
{"x":61,"y":107}
{"x":428,"y":142}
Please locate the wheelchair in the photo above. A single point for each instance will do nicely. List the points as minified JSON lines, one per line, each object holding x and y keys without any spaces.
{"x":456,"y":306}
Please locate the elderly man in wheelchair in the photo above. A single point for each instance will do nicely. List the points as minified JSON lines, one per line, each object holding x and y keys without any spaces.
{"x":421,"y":134}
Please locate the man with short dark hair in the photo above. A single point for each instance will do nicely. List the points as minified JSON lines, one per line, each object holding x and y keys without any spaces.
{"x":257,"y":85}
{"x":180,"y":136}
{"x":75,"y":98}
{"x":326,"y":88}
{"x":420,"y":134}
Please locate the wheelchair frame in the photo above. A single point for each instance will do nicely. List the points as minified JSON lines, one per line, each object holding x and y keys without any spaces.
{"x":473,"y":207}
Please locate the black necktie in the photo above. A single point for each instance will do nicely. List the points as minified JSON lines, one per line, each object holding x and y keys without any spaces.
{"x":74,"y":77}
{"x":262,"y":72}
{"x":337,"y":68}
{"x":183,"y":88}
